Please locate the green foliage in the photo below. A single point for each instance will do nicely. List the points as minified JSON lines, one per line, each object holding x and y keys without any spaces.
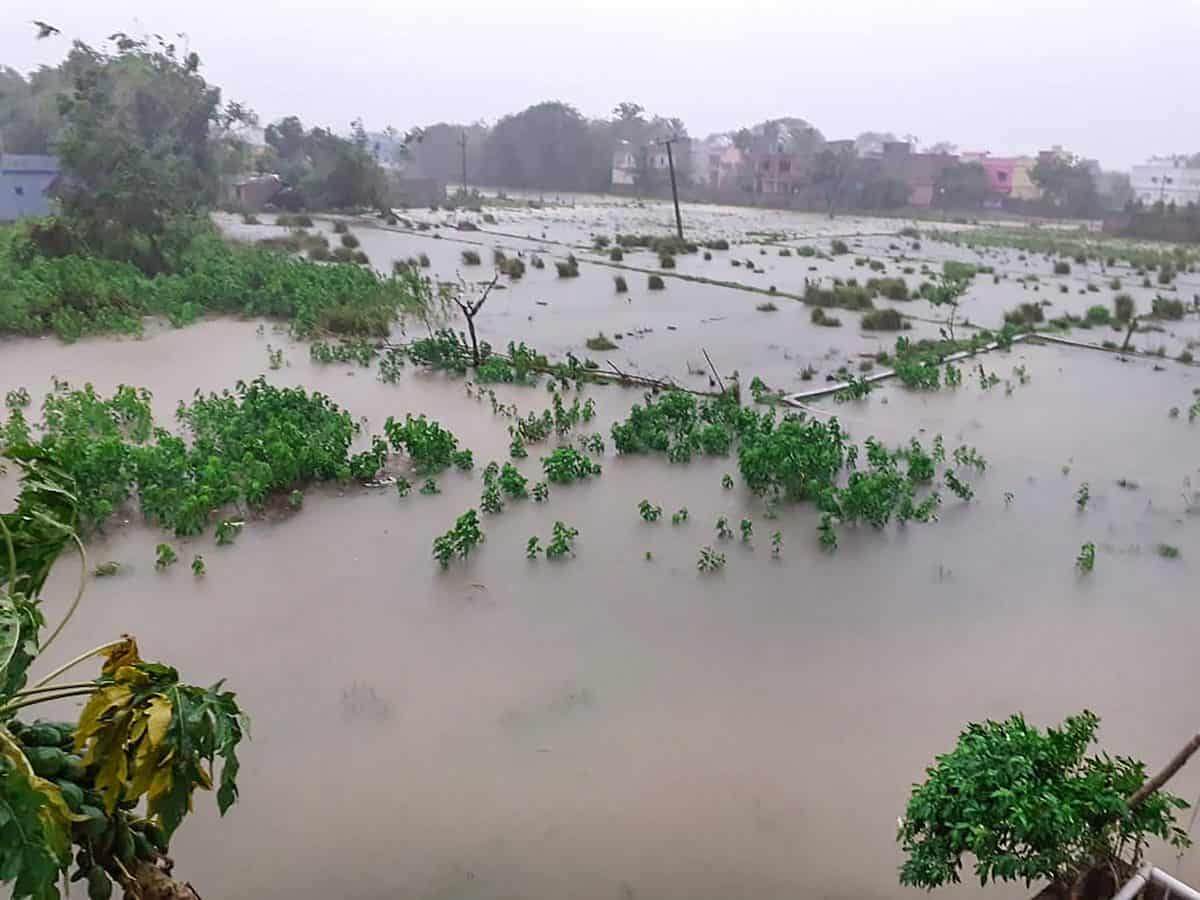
{"x":1086,"y":560}
{"x":402,"y":486}
{"x":227,"y":531}
{"x":620,"y":284}
{"x":1167,"y":308}
{"x":241,"y":447}
{"x":820,"y":317}
{"x":144,"y":741}
{"x":776,"y":544}
{"x":747,"y":530}
{"x":354,"y":350}
{"x":430,"y":447}
{"x":727,"y":481}
{"x":600,"y":342}
{"x":470,"y":258}
{"x":1062,"y":267}
{"x":74,"y":295}
{"x":655,"y":283}
{"x":723,"y":531}
{"x":838,"y":247}
{"x":677,"y":424}
{"x":1025,"y":314}
{"x":1167,"y":551}
{"x":540,"y":492}
{"x":649,"y":512}
{"x":846,"y":296}
{"x":856,"y":389}
{"x":680,"y":516}
{"x":198,"y":567}
{"x":533,"y":547}
{"x":460,"y":540}
{"x":567,"y":269}
{"x":892,"y":288}
{"x":164,"y":556}
{"x":562,"y":541}
{"x":710,"y":560}
{"x":513,"y":483}
{"x":430,"y":488}
{"x":1028,"y":806}
{"x":490,"y":501}
{"x":1082,"y":496}
{"x":1123,"y":308}
{"x":566,"y":464}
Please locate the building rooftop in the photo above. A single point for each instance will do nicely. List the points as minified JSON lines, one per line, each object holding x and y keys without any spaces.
{"x":28,"y":164}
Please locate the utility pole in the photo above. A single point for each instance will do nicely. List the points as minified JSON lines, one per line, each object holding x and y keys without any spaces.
{"x":462,"y":143}
{"x":667,"y":142}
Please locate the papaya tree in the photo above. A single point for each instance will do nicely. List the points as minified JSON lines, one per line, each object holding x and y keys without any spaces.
{"x":100,"y":798}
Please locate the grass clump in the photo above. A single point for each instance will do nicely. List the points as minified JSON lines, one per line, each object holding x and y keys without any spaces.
{"x":959,"y":271}
{"x":470,"y":258}
{"x":568,"y":268}
{"x":655,"y":283}
{"x":1168,"y":551}
{"x":600,"y":342}
{"x":1166,"y":308}
{"x":616,"y":254}
{"x":846,"y":296}
{"x":1025,"y":314}
{"x":882,"y":320}
{"x":1098,"y":315}
{"x":820,"y":317}
{"x":892,"y":288}
{"x":838,"y":247}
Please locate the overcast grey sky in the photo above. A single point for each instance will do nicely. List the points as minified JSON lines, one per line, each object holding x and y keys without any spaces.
{"x":1114,"y":80}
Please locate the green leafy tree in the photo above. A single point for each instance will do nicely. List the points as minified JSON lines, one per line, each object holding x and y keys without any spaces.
{"x":962,"y":186}
{"x":1068,"y":183}
{"x":1028,"y":806}
{"x":138,"y":149}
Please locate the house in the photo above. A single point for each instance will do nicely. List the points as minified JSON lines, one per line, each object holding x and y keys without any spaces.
{"x":716,"y":163}
{"x":253,"y":192}
{"x":1009,"y":177}
{"x":624,"y":166}
{"x":777,"y":172}
{"x":25,"y":182}
{"x":1165,"y":180}
{"x":918,"y":171}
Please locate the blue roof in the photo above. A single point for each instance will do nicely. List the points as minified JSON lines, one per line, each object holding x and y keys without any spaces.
{"x":28,"y":164}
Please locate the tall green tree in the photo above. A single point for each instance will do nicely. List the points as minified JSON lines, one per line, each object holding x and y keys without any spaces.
{"x":1068,"y":184}
{"x":137,"y":147}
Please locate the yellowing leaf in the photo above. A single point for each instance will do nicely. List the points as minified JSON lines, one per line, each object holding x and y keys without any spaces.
{"x":158,"y":718}
{"x":105,"y":699}
{"x":123,"y":654}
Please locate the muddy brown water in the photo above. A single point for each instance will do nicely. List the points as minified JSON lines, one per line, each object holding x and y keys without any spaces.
{"x":612,"y":727}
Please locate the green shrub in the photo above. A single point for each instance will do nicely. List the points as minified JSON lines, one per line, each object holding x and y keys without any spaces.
{"x":1099,"y":315}
{"x":1062,"y":267}
{"x":1123,"y":308}
{"x":1029,"y":806}
{"x":423,"y":259}
{"x":819,"y":317}
{"x":666,"y":261}
{"x":655,"y":283}
{"x":340,"y":227}
{"x":838,"y":247}
{"x":567,"y":269}
{"x":1185,"y":356}
{"x":600,"y":342}
{"x":892,"y":288}
{"x":616,"y":254}
{"x":1165,"y":308}
{"x":470,"y":258}
{"x":619,"y":282}
{"x":882,"y":320}
{"x":959,"y":271}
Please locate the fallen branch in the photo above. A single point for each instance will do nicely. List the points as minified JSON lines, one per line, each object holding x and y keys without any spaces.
{"x":1178,"y":761}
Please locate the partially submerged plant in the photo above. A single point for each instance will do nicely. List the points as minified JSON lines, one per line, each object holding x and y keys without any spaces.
{"x":710,"y":560}
{"x":562,"y":541}
{"x":460,"y":540}
{"x":723,"y":531}
{"x":1086,"y":560}
{"x":164,"y":555}
{"x":776,"y":544}
{"x":1082,"y":496}
{"x":747,"y":529}
{"x":198,"y":567}
{"x":649,"y":512}
{"x":679,"y":517}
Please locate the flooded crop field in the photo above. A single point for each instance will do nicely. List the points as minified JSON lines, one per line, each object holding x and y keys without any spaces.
{"x":617,"y":724}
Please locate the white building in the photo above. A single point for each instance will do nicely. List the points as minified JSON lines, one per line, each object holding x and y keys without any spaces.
{"x":624,"y":165}
{"x":1166,"y":179}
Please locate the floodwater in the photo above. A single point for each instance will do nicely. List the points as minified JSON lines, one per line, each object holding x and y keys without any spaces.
{"x":613,"y":727}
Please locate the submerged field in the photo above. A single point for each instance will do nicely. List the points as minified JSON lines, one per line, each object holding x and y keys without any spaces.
{"x":610,"y":725}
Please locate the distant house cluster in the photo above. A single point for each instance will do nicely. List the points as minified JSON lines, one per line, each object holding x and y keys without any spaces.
{"x":26,"y":185}
{"x":1165,"y":180}
{"x":888,"y":173}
